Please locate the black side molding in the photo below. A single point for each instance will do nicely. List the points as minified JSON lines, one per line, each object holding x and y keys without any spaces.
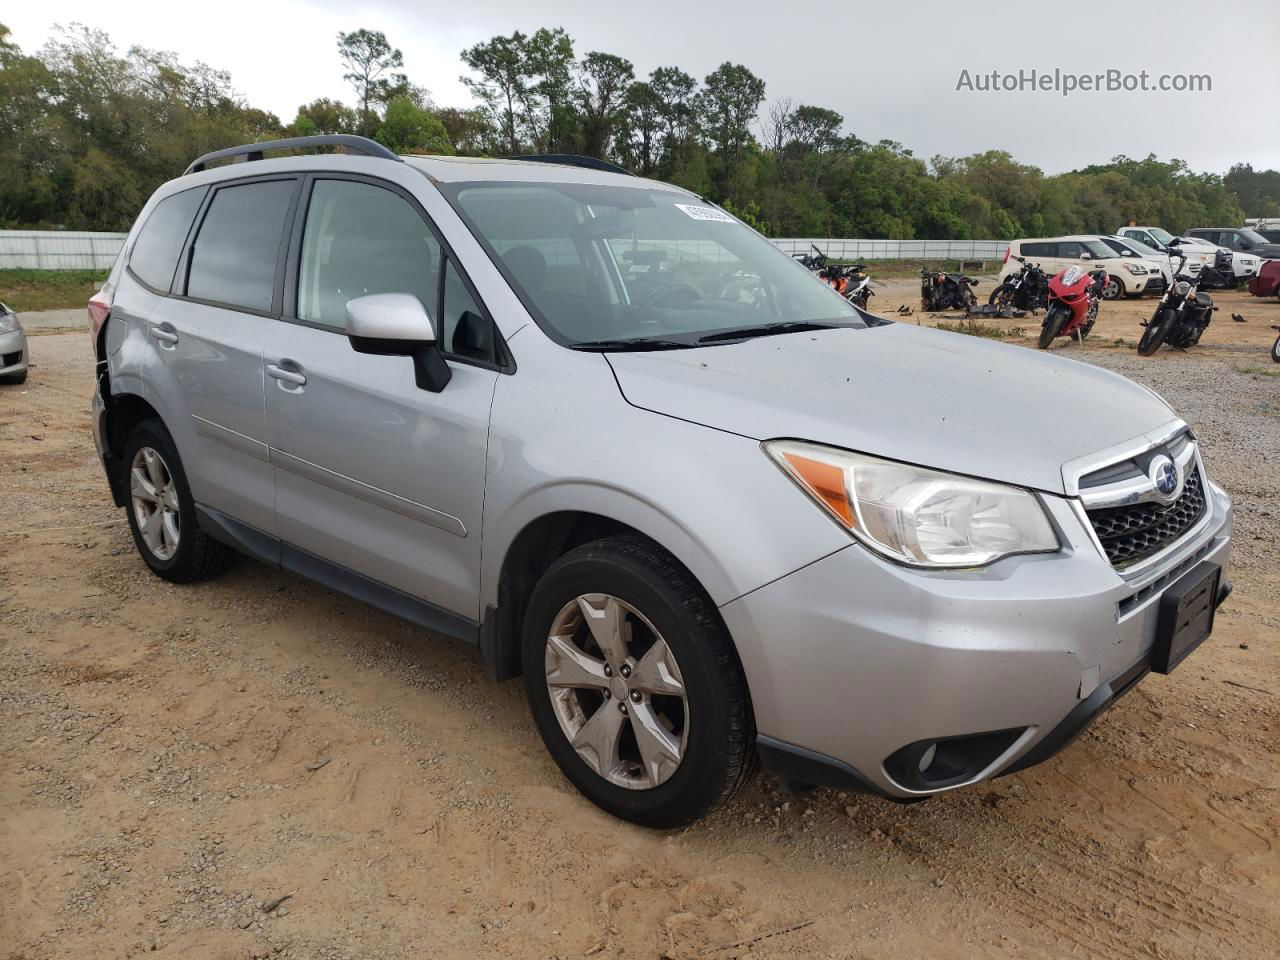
{"x":273,"y":552}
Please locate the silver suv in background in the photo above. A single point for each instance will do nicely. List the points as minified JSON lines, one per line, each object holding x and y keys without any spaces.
{"x":599,"y":429}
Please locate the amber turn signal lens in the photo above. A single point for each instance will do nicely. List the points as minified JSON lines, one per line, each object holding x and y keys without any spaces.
{"x":825,"y":482}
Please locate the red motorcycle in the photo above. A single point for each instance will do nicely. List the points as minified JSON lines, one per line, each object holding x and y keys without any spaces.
{"x":1073,"y":304}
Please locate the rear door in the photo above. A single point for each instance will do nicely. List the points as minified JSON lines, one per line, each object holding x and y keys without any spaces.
{"x":373,"y":474}
{"x":226,"y":294}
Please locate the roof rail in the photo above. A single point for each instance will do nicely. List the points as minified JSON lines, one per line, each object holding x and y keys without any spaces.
{"x":573,"y":160}
{"x":254,"y":151}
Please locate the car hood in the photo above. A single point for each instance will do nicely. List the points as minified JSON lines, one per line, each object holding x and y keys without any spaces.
{"x":939,"y":399}
{"x":1270,"y":251}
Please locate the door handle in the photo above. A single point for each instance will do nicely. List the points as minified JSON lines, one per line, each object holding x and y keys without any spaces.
{"x":285,"y":374}
{"x":165,"y":334}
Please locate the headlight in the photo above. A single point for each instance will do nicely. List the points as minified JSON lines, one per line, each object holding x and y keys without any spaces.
{"x":8,"y":322}
{"x":1136,"y":269}
{"x":1181,"y":289}
{"x":921,"y":517}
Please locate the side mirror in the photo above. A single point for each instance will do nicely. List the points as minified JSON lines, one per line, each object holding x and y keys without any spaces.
{"x":1086,"y":255}
{"x":397,"y":325}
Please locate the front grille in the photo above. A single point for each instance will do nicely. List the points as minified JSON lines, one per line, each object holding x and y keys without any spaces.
{"x":1133,"y":533}
{"x":9,"y":359}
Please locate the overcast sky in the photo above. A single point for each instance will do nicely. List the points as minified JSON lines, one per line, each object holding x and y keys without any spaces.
{"x":890,"y":68}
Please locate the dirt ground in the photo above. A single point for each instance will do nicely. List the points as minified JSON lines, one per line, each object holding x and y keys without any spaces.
{"x":254,"y":767}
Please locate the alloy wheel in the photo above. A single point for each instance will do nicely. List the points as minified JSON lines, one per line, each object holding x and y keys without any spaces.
{"x":617,"y":691}
{"x":155,"y":502}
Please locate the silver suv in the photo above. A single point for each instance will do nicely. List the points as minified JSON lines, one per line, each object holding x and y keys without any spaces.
{"x":598,"y":428}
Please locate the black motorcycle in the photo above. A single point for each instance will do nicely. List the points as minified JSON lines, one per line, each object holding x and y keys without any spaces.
{"x":1221,"y":275}
{"x":1028,"y":289}
{"x":946,"y":291}
{"x":1181,"y":316}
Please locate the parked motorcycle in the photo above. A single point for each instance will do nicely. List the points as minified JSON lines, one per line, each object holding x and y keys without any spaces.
{"x":946,"y":291}
{"x":1072,"y":305}
{"x":1028,"y":289}
{"x":858,"y":288}
{"x":1181,"y":316}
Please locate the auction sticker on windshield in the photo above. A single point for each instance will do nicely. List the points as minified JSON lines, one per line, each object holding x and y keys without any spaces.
{"x":705,"y":213}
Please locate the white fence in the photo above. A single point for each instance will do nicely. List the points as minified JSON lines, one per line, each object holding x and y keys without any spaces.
{"x":59,"y":249}
{"x":839,"y":249}
{"x":66,"y":250}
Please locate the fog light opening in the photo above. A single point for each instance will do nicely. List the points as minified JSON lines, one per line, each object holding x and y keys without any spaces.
{"x":926,"y":759}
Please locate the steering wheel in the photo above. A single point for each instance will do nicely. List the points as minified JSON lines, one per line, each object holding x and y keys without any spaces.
{"x":668,"y":290}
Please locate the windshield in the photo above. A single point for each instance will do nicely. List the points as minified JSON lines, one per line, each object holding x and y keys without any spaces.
{"x":1163,"y":236}
{"x":1253,"y":236}
{"x":1098,"y":249}
{"x":608,"y":265}
{"x":1140,"y":249}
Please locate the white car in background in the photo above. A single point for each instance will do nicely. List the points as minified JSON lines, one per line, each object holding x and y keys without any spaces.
{"x":1140,"y":252}
{"x":1243,"y":265}
{"x":1129,"y":275}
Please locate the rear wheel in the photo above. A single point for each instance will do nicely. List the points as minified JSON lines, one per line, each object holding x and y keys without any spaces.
{"x":1054,"y":321}
{"x":634,"y":684}
{"x":1157,"y":329}
{"x":162,"y":515}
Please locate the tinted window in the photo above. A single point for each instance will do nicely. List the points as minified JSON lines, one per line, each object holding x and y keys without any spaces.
{"x":159,"y":244}
{"x":234,"y":257}
{"x":1039,"y":250}
{"x":465,"y":331}
{"x":361,"y":239}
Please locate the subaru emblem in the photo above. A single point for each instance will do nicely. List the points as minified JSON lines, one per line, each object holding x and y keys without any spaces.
{"x":1165,"y":477}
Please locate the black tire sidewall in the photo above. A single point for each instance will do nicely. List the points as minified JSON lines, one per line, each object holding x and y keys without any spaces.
{"x":1160,"y":324}
{"x":182,"y":566}
{"x":1275,"y":351}
{"x":703,"y":776}
{"x":1051,"y":326}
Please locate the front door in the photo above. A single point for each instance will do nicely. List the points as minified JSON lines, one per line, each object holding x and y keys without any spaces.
{"x":372,"y":473}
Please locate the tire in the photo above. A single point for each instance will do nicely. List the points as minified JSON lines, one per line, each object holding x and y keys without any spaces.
{"x":1155,"y":333}
{"x":1054,"y":321}
{"x":157,"y":483}
{"x":1275,"y":351}
{"x":1003,"y":295}
{"x":1112,"y":288}
{"x":635,"y":583}
{"x":14,"y":378}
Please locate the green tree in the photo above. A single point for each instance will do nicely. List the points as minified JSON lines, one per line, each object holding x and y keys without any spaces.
{"x":603,"y":83}
{"x":408,"y":128}
{"x":372,"y":68}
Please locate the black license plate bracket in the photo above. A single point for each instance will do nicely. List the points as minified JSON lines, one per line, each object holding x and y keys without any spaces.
{"x":1185,"y":617}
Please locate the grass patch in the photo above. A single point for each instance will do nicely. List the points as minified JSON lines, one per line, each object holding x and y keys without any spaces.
{"x":1259,"y":371}
{"x":26,"y":290}
{"x":982,"y":330}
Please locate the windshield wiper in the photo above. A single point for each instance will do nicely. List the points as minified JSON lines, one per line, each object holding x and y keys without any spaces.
{"x":768,"y":330}
{"x":633,"y":346}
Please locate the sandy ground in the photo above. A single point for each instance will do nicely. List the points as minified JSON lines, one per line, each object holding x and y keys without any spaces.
{"x":174,"y":760}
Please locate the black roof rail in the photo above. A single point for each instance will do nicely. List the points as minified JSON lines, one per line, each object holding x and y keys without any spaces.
{"x":573,"y":160}
{"x":254,"y":151}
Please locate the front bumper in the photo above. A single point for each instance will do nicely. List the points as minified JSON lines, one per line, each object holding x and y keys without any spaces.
{"x":13,"y":352}
{"x":852,"y":659}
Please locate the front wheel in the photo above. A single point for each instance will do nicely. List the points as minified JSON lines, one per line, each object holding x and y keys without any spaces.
{"x":1001,"y":296}
{"x":1157,"y":329}
{"x":1053,"y":323}
{"x":1275,"y":351}
{"x":1112,"y":288}
{"x":634,"y":684}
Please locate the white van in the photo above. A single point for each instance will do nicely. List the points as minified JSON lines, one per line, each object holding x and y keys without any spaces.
{"x":1127,"y":274}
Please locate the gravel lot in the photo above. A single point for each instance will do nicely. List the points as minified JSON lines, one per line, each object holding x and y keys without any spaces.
{"x":176,"y":760}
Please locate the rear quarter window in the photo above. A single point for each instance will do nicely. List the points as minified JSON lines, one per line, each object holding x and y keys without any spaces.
{"x":159,"y":244}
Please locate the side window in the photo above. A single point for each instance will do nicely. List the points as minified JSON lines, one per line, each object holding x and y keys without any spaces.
{"x":361,"y":239}
{"x":464,"y":330}
{"x":233,"y":259}
{"x":159,"y":244}
{"x":1069,"y":250}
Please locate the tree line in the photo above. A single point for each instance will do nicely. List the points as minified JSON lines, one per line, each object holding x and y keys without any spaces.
{"x":88,"y":132}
